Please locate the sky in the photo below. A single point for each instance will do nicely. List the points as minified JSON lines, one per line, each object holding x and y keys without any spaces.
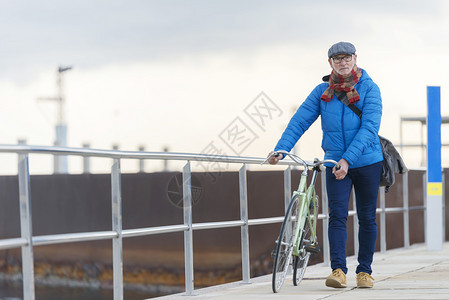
{"x":185,"y":75}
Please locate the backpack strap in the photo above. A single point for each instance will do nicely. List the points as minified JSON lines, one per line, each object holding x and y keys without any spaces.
{"x":344,"y":99}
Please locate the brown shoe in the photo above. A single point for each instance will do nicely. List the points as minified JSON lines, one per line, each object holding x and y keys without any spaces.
{"x":337,"y":279}
{"x":364,"y":280}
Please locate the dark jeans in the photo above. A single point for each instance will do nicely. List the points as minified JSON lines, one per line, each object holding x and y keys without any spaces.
{"x":366,"y":185}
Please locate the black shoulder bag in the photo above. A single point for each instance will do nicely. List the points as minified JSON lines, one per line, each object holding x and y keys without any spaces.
{"x":392,"y":159}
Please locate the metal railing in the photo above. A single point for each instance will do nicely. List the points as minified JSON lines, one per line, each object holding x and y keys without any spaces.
{"x":27,"y":241}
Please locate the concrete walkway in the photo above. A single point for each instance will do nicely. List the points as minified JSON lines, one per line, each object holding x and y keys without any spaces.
{"x":413,"y":273}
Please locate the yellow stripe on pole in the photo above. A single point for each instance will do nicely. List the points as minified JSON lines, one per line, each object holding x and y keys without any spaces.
{"x":435,"y":188}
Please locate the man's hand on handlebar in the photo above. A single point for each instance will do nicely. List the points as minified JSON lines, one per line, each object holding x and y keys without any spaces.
{"x":274,"y":159}
{"x":342,"y":171}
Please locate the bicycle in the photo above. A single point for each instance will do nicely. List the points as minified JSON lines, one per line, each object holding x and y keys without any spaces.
{"x":297,"y":239}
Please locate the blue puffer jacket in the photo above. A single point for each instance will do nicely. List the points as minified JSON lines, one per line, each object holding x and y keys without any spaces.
{"x":345,"y":135}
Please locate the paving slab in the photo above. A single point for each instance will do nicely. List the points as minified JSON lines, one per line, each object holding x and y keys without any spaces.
{"x":412,"y":273}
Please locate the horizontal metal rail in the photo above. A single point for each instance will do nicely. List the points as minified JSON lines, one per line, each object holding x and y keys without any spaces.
{"x":214,"y":225}
{"x":73,"y":237}
{"x":419,"y":145}
{"x":153,"y":230}
{"x":263,"y":221}
{"x":25,"y":149}
{"x":27,"y":241}
{"x":417,"y":208}
{"x":12,"y":243}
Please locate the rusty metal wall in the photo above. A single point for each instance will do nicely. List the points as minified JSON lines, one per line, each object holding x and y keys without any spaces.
{"x":77,"y":203}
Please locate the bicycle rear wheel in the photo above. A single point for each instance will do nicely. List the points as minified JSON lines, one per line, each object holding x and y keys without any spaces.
{"x":300,"y":262}
{"x":284,"y":247}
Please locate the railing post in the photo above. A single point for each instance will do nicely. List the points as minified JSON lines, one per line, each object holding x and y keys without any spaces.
{"x":288,"y":198}
{"x":287,"y":187}
{"x":117,"y":243}
{"x":356,"y":223}
{"x":406,"y":210}
{"x":444,"y":205}
{"x":246,"y":270}
{"x":424,"y":189}
{"x":325,"y":210}
{"x":188,"y":234}
{"x":86,"y":161}
{"x":26,"y":227}
{"x":141,"y":161}
{"x":383,"y":237}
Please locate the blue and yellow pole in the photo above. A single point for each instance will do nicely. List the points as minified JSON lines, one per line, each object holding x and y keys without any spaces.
{"x":434,"y":211}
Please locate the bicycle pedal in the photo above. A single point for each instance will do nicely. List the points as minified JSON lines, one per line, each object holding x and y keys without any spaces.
{"x":314,"y":249}
{"x":273,"y":253}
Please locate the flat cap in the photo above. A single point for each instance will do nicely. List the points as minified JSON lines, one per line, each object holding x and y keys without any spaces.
{"x":341,"y":48}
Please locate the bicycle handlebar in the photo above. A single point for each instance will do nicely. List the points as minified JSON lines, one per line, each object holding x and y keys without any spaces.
{"x":300,"y":161}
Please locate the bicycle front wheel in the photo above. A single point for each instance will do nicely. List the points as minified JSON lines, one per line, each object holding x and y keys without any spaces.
{"x":284,"y":246}
{"x":300,"y":262}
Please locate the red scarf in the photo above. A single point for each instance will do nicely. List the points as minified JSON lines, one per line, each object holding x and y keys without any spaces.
{"x":343,"y":83}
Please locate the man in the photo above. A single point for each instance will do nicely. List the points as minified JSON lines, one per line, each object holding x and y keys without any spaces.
{"x":354,"y":143}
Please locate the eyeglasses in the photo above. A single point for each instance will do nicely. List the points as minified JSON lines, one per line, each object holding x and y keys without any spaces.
{"x":338,"y":60}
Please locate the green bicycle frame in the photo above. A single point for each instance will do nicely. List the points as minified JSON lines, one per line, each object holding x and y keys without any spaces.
{"x":305,"y":198}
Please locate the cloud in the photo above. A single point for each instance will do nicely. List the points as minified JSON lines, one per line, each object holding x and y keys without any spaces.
{"x":154,"y":72}
{"x":36,"y":35}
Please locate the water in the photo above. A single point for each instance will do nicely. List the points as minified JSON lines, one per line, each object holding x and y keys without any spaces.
{"x":13,"y":291}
